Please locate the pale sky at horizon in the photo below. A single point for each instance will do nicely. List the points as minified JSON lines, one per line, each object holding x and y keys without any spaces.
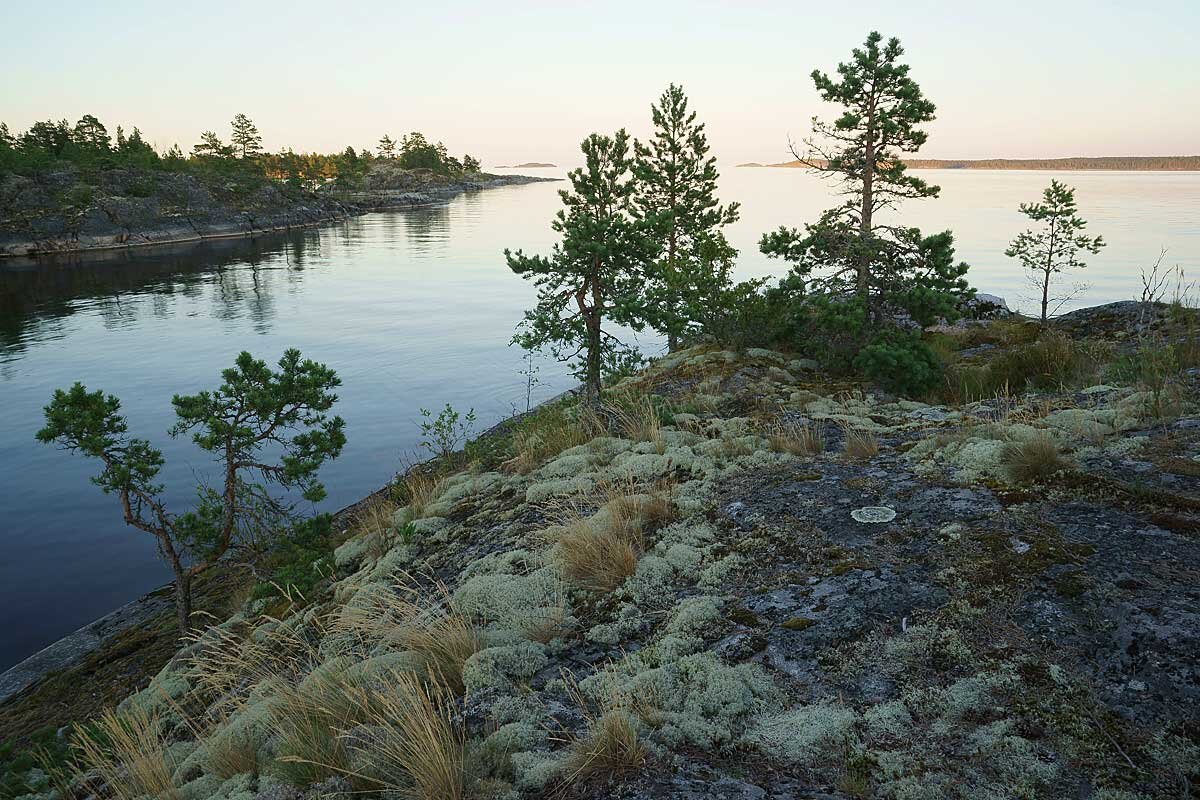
{"x":528,"y":80}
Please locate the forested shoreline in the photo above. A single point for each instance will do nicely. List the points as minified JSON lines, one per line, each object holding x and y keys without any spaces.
{"x":67,"y":188}
{"x":1113,"y":163}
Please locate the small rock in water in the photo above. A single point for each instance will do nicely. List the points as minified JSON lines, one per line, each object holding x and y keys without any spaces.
{"x":873,"y":514}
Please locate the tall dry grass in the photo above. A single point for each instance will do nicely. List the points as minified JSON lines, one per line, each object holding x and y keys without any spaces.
{"x":859,"y":444}
{"x":599,"y":551}
{"x":545,"y":433}
{"x":423,"y":620}
{"x":126,"y":754}
{"x":414,"y":744}
{"x":800,"y":437}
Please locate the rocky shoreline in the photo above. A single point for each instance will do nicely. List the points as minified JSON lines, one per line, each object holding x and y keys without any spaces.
{"x":834,"y":592}
{"x":179,"y":209}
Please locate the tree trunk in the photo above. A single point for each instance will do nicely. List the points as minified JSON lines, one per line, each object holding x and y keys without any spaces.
{"x":865,"y":221}
{"x":183,"y":601}
{"x":591,"y":389}
{"x":672,"y":342}
{"x":1045,"y":295}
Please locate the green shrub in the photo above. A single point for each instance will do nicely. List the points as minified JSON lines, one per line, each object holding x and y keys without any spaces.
{"x":901,"y":363}
{"x":301,"y":560}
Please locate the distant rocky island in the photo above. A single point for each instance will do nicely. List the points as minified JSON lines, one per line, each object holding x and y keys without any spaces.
{"x":1122,"y":163}
{"x":130,"y":207}
{"x":527,"y":165}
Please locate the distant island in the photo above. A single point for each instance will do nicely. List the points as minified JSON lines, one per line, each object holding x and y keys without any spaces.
{"x":526,"y":165}
{"x":1123,"y":163}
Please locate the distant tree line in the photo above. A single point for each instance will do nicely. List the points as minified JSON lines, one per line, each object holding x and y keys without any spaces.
{"x":1124,"y":163}
{"x":89,"y":147}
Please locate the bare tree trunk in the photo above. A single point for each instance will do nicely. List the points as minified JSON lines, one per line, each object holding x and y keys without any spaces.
{"x":183,"y":601}
{"x":1045,"y":295}
{"x":591,"y":389}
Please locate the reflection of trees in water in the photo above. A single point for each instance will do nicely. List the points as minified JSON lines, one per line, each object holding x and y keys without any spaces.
{"x":240,"y":275}
{"x":427,"y":229}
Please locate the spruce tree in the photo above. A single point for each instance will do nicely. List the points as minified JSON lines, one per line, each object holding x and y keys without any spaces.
{"x":596,"y":273}
{"x":676,"y":197}
{"x":245,"y":137}
{"x":1057,"y":246}
{"x":387,"y":147}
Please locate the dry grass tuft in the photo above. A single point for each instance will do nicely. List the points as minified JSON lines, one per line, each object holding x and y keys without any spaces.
{"x":226,"y":663}
{"x":546,"y":433}
{"x":414,"y":745}
{"x":127,"y":752}
{"x":798,"y":437}
{"x":309,"y":719}
{"x":231,"y":754}
{"x":422,"y":620}
{"x":1033,"y":460}
{"x":610,"y":744}
{"x":375,"y":515}
{"x":421,"y":489}
{"x":599,"y":551}
{"x":859,"y":444}
{"x":633,"y":415}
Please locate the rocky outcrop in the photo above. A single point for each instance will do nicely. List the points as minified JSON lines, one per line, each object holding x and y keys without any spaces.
{"x":746,"y":579}
{"x":59,"y":212}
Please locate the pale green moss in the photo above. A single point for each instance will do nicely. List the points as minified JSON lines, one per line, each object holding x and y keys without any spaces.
{"x":502,"y":667}
{"x":533,"y":771}
{"x":888,"y":723}
{"x":807,"y":736}
{"x":693,"y":621}
{"x":720,"y":573}
{"x":698,"y":699}
{"x":541,"y":491}
{"x":653,"y":582}
{"x":522,"y":602}
{"x":629,"y":621}
{"x":351,"y":552}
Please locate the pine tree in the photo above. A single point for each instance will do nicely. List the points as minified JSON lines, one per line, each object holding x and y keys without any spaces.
{"x":259,"y":424}
{"x":245,"y":137}
{"x":861,"y":149}
{"x":387,"y":147}
{"x":90,"y":133}
{"x":470,"y":164}
{"x":676,"y":196}
{"x":1057,"y":246}
{"x":596,"y":272}
{"x":852,"y":253}
{"x":211,"y":145}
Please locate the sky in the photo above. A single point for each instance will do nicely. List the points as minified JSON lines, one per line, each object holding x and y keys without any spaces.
{"x":521,"y":81}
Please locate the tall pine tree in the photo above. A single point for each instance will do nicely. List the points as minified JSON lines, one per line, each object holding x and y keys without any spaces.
{"x":596,"y":272}
{"x":849,"y":252}
{"x":245,"y":137}
{"x":677,"y":198}
{"x":387,"y":147}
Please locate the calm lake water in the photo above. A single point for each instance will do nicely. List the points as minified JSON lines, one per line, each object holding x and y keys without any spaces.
{"x":412,"y":309}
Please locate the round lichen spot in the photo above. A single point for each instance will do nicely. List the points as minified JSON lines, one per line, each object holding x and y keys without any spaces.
{"x":873,"y":514}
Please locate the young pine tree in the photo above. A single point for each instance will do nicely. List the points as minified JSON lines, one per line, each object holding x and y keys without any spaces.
{"x":677,"y":198}
{"x":596,"y":273}
{"x":387,"y":147}
{"x":1057,"y":246}
{"x":245,"y":137}
{"x":211,"y":145}
{"x":259,"y":424}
